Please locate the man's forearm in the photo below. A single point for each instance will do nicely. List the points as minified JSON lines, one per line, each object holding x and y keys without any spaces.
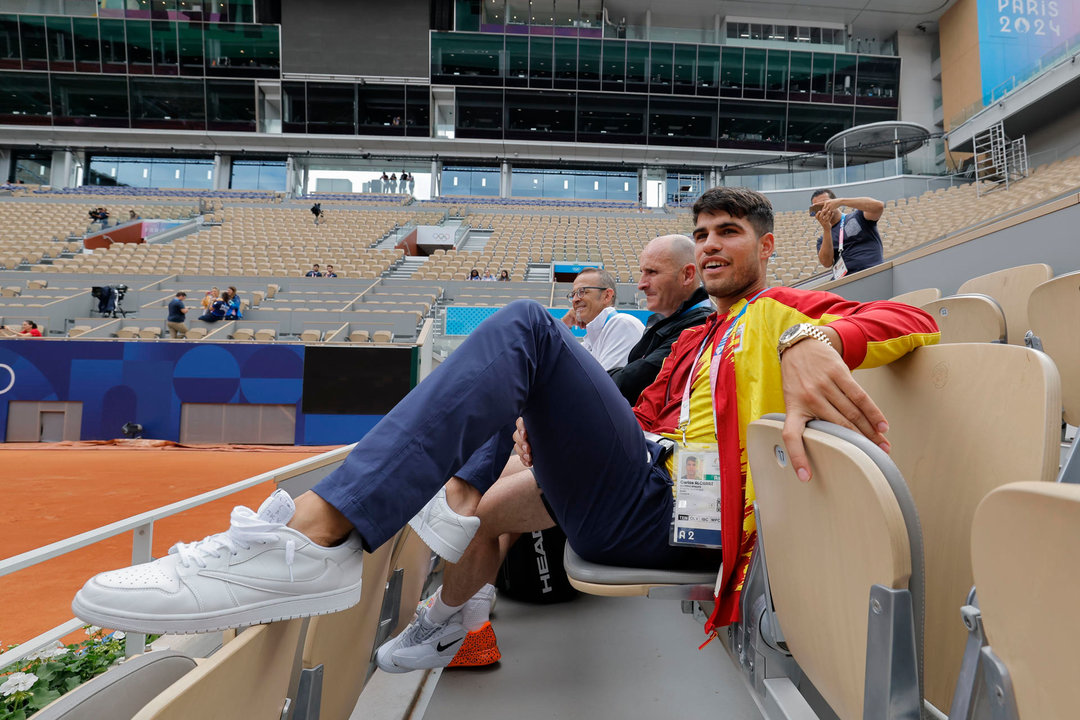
{"x":871,"y":207}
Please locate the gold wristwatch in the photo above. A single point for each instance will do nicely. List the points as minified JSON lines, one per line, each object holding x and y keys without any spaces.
{"x":798,"y":333}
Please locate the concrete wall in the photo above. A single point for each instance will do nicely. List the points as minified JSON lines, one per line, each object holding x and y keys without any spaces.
{"x":1059,"y":137}
{"x":961,"y":77}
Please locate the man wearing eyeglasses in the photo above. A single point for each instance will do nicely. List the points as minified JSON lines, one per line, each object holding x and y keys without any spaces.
{"x":609,"y":334}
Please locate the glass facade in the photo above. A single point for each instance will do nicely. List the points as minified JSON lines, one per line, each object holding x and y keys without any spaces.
{"x":470,"y":181}
{"x":258,"y":175}
{"x":355,"y":108}
{"x":156,"y":172}
{"x":571,"y":184}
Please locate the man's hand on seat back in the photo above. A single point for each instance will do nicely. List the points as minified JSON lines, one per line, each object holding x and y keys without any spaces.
{"x":521,"y":444}
{"x":818,"y":385}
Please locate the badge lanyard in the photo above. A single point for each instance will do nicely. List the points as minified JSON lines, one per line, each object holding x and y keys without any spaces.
{"x":714,"y":368}
{"x":840,"y":250}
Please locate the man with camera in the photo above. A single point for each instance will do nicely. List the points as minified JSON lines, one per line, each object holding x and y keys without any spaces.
{"x":856,"y":242}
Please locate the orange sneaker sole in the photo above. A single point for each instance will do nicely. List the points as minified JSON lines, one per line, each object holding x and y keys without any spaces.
{"x":479,"y":648}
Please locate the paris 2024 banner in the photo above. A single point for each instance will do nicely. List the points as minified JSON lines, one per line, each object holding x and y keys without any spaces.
{"x":1016,"y":35}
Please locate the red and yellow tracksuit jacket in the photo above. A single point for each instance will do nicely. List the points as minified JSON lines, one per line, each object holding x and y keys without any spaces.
{"x":748,"y":386}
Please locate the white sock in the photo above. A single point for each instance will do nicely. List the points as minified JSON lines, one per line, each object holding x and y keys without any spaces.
{"x":440,"y":612}
{"x":478,"y":608}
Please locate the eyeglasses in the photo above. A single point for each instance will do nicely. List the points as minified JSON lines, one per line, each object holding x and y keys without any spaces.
{"x":580,"y":292}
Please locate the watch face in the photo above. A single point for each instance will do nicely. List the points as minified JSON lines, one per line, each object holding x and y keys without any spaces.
{"x":790,"y":333}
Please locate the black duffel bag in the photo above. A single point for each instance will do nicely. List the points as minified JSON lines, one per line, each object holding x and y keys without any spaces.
{"x":533,"y":571}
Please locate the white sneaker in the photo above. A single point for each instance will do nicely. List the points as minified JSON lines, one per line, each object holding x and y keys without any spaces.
{"x":477,"y":610}
{"x":257,"y":571}
{"x":422,"y":645}
{"x":442,"y":529}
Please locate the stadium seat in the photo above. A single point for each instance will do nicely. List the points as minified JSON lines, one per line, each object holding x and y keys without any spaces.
{"x":1053,"y":309}
{"x":968,"y":318}
{"x":310,"y":336}
{"x":196,"y":333}
{"x":265,"y":335}
{"x":127,"y":332}
{"x":358,"y":336}
{"x":150,"y":333}
{"x":382,"y":336}
{"x":78,"y":330}
{"x":1031,"y":660}
{"x":248,"y":677}
{"x":122,"y":691}
{"x":243,"y":334}
{"x":1011,"y":288}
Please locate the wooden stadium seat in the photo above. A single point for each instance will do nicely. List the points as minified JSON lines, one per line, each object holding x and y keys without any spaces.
{"x":243,"y":334}
{"x":918,"y":298}
{"x":127,"y":332}
{"x":248,"y":677}
{"x":358,"y":336}
{"x":1033,"y":529}
{"x":78,"y":330}
{"x":964,"y":419}
{"x":11,"y":291}
{"x":196,"y":333}
{"x":310,"y":336}
{"x":968,"y":318}
{"x":1053,"y":311}
{"x":150,"y":333}
{"x":382,"y":336}
{"x":1011,"y":288}
{"x":852,"y":529}
{"x":36,"y":284}
{"x":265,"y":335}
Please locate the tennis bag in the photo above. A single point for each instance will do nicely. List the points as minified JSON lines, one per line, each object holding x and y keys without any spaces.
{"x":533,"y":571}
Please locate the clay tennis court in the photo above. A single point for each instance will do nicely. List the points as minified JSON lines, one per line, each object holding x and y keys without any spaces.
{"x":51,"y":492}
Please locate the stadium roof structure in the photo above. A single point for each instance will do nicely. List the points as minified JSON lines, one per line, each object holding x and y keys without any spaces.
{"x":877,"y":141}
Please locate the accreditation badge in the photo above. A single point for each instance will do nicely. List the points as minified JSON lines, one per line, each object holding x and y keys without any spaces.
{"x":696,"y":519}
{"x":839,"y":270}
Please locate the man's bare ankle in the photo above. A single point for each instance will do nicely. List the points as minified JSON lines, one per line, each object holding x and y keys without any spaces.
{"x":319,"y":521}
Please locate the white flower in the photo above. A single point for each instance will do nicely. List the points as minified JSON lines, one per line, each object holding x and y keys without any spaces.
{"x":92,"y":630}
{"x":49,"y":652}
{"x":18,"y":682}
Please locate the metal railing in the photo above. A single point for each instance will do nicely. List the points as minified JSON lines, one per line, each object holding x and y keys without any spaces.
{"x":142,"y":528}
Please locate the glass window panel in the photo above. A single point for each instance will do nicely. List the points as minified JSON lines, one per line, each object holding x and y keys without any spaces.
{"x":190,"y":48}
{"x":867,"y":115}
{"x":493,"y":16}
{"x":589,"y":63}
{"x":566,"y":63}
{"x":753,"y":125}
{"x":479,"y":114}
{"x":517,"y":61}
{"x":418,"y":110}
{"x":799,"y":80}
{"x":94,"y":101}
{"x":821,"y":81}
{"x":809,"y":126}
{"x":230,"y":105}
{"x":87,"y":45}
{"x":470,"y":181}
{"x":708,"y":70}
{"x":731,"y":72}
{"x":168,"y":103}
{"x":61,"y":45}
{"x":35,"y":53}
{"x":517,"y":16}
{"x":539,"y":115}
{"x":140,"y":53}
{"x":541,"y":50}
{"x":614,"y":118}
{"x":753,"y":73}
{"x":467,"y":15}
{"x":293,"y":107}
{"x":331,"y":108}
{"x":166,"y":59}
{"x":637,"y":66}
{"x":242,"y":11}
{"x":660,"y":65}
{"x":10,"y":57}
{"x":879,"y":78}
{"x":776,"y":75}
{"x":682,"y":121}
{"x":33,"y":168}
{"x":844,"y":78}
{"x":258,"y":175}
{"x":469,"y":59}
{"x":613,"y":76}
{"x":24,"y":99}
{"x":242,"y":50}
{"x":685,"y":69}
{"x":380,"y":109}
{"x":113,"y":46}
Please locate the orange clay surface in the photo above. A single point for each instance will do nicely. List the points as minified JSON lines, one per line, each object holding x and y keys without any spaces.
{"x":49,"y":493}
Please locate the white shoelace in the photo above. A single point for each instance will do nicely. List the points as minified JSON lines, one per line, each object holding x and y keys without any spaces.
{"x":245,"y":528}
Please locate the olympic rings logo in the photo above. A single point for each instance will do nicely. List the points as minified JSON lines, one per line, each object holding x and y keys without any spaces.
{"x":11,"y":382}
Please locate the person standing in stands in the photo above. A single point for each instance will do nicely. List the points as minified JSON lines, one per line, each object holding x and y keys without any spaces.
{"x":314,"y":271}
{"x":316,"y":210}
{"x":855,"y":243}
{"x":609,"y":335}
{"x":393,"y":182}
{"x":176,"y":316}
{"x":384,"y":182}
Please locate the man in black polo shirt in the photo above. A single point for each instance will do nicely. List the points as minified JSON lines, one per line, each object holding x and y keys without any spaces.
{"x":856,"y":242}
{"x":669,"y":278}
{"x":175,"y":319}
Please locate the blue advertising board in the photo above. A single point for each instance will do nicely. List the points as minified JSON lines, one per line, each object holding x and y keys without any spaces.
{"x":1015,"y":35}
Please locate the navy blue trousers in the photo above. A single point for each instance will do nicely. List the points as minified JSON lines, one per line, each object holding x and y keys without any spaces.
{"x":598,"y":473}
